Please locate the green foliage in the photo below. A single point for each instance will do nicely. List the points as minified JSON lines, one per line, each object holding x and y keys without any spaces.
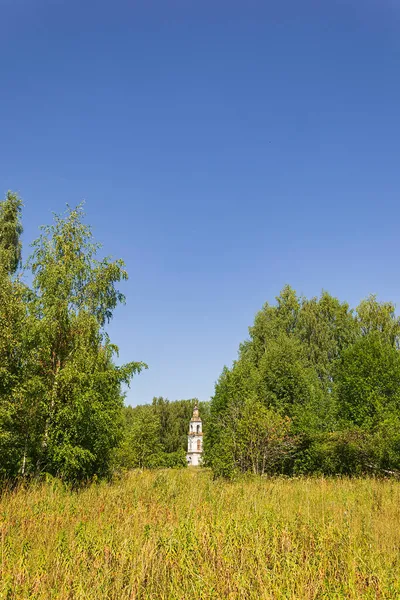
{"x":60,"y":390}
{"x":335,"y":453}
{"x":325,"y":328}
{"x":10,"y":232}
{"x":19,"y":418}
{"x":174,"y":460}
{"x":155,"y":435}
{"x":315,"y":387}
{"x":253,"y":438}
{"x":334,"y":373}
{"x":174,"y":419}
{"x":141,"y":443}
{"x":368,"y":388}
{"x":379,"y":317}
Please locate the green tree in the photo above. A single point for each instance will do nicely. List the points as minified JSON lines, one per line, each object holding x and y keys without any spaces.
{"x":368,"y":376}
{"x":10,"y":232}
{"x":264,"y":439}
{"x":140,"y":447}
{"x":252,"y":439}
{"x":17,"y":408}
{"x":288,"y":383}
{"x":325,"y":328}
{"x":270,"y":322}
{"x":80,"y":398}
{"x":12,"y":366}
{"x":174,"y":419}
{"x":380,"y":317}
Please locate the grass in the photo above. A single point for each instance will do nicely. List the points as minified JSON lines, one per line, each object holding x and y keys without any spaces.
{"x":180,"y":535}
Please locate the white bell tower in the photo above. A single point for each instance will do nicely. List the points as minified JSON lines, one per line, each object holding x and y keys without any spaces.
{"x":195,"y":439}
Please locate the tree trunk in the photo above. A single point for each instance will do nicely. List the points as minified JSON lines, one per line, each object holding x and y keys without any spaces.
{"x":23,"y":467}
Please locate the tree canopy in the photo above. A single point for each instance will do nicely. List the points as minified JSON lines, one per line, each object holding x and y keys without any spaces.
{"x":327,"y":377}
{"x":60,"y":388}
{"x":10,"y":232}
{"x":314,"y":388}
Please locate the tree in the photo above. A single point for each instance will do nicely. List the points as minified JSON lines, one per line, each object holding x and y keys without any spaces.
{"x":270,"y":322}
{"x":10,"y":232}
{"x":13,"y":356}
{"x":265,"y":439}
{"x":334,"y":372}
{"x":252,"y":438}
{"x":174,"y":418}
{"x":325,"y":328}
{"x":17,"y":411}
{"x":288,"y":383}
{"x":368,"y":374}
{"x":74,"y":295}
{"x":140,"y":447}
{"x":381,"y":318}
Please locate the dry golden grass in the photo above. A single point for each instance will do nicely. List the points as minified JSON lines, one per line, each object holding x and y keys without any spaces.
{"x":178,"y":534}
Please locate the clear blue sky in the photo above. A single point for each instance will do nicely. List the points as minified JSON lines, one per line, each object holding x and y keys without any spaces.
{"x":224,"y":148}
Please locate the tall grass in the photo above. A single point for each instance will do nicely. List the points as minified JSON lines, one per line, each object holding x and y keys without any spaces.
{"x":180,"y":535}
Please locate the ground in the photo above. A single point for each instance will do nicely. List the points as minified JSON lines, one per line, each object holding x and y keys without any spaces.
{"x":179,"y":535}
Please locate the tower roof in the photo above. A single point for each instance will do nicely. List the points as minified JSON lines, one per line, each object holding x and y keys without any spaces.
{"x":195,"y":416}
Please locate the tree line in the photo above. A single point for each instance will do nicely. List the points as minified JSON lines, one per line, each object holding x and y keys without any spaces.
{"x":315,"y":389}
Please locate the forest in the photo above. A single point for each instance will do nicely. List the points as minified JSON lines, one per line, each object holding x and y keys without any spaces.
{"x":315,"y":388}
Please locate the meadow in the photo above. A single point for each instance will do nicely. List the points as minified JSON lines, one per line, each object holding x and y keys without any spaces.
{"x":178,"y":534}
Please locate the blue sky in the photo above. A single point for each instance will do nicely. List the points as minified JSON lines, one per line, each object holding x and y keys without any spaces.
{"x":223,"y":149}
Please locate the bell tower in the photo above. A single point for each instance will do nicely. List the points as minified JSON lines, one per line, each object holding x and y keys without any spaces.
{"x":195,"y":439}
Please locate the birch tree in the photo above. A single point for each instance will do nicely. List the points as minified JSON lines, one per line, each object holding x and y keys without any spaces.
{"x":74,"y":295}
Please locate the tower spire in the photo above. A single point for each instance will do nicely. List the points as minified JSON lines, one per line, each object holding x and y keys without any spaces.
{"x":195,"y":415}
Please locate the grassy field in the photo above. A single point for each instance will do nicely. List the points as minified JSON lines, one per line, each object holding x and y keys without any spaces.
{"x":178,"y":534}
